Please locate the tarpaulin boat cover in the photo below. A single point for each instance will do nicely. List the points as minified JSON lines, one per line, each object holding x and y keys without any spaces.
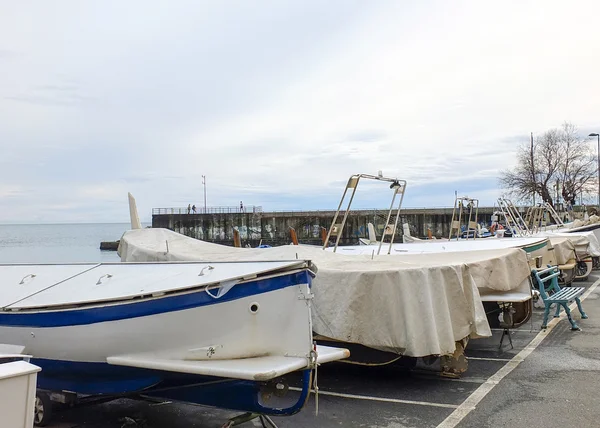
{"x":585,"y":243}
{"x":564,"y":249}
{"x":415,"y":305}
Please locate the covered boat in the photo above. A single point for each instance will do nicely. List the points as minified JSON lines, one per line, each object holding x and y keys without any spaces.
{"x":415,"y":305}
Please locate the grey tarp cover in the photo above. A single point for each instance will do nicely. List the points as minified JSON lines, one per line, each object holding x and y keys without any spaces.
{"x":415,"y":305}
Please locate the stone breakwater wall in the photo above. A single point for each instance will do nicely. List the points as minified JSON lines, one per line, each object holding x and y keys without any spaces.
{"x":273,"y":228}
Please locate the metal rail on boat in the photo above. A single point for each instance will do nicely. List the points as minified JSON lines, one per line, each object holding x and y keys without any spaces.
{"x":514,"y":220}
{"x":398,"y":187}
{"x":533,"y":221}
{"x":460,"y":204}
{"x":536,"y":216}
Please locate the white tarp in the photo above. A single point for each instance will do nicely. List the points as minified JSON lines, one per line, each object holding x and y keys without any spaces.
{"x":564,"y":249}
{"x":586,"y":243}
{"x":416,"y":305}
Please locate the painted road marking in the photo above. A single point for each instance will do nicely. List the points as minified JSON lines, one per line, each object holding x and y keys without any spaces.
{"x":488,"y":359}
{"x":431,"y":375}
{"x":471,"y":402}
{"x":381,"y":399}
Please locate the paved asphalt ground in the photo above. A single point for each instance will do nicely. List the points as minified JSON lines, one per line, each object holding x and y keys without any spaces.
{"x":555,"y":385}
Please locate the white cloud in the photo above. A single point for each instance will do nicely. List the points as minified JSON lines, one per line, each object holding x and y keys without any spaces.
{"x":278,"y":102}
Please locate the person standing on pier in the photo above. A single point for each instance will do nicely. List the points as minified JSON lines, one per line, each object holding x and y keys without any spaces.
{"x":194,"y":208}
{"x":241,"y":207}
{"x":189,"y":208}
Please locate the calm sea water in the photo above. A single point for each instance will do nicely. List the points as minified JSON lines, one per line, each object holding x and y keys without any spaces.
{"x":58,"y":243}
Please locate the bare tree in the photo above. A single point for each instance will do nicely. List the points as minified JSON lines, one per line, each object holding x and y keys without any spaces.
{"x":559,"y":159}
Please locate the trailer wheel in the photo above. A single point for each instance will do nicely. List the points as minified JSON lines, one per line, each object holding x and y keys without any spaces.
{"x":581,"y":270}
{"x":43,"y":409}
{"x":405,"y":363}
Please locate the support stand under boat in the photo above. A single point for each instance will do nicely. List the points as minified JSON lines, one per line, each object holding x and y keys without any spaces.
{"x":46,"y":401}
{"x":266,"y":421}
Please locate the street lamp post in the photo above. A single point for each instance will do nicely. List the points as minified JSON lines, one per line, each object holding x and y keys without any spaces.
{"x":593,"y":134}
{"x":204,"y":184}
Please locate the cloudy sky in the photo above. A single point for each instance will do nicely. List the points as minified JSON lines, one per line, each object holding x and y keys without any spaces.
{"x":278,"y":102}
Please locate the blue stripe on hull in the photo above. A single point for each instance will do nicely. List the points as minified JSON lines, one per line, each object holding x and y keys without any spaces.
{"x":93,"y":378}
{"x":235,"y":395}
{"x":141,"y":308}
{"x":102,"y":378}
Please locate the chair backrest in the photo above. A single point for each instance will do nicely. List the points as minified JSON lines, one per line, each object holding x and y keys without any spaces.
{"x":551,"y":275}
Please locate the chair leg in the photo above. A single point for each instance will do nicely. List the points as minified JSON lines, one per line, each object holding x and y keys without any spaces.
{"x":574,"y":325}
{"x":546,"y":313}
{"x":506,"y":332}
{"x":583,"y":314}
{"x":557,"y":313}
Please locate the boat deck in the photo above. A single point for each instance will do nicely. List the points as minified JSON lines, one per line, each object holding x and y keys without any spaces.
{"x":446,"y":246}
{"x":549,"y":379}
{"x":31,"y":286}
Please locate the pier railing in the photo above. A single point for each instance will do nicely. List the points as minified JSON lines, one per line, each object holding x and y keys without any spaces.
{"x":207,"y":210}
{"x":259,"y":209}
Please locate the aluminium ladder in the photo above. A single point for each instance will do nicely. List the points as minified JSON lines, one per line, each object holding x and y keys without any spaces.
{"x":398,"y":187}
{"x":461,"y":204}
{"x":514,"y":220}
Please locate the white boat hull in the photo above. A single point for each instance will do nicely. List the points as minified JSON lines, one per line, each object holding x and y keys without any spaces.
{"x":215,"y":342}
{"x":230,"y":328}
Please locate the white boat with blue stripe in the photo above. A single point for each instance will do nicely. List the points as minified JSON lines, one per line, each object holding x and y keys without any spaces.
{"x":208,"y":333}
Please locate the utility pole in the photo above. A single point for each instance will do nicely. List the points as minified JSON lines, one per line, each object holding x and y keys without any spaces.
{"x":533,"y":170}
{"x":204,"y":184}
{"x":594,"y":134}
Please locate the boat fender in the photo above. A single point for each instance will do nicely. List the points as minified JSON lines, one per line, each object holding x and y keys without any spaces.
{"x":224,"y":288}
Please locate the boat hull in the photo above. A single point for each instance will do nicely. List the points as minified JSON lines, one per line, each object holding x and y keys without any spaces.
{"x":270,"y":316}
{"x":115,"y":381}
{"x":183,"y":326}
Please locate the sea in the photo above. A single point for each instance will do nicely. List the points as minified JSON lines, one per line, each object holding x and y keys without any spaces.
{"x":59,"y":243}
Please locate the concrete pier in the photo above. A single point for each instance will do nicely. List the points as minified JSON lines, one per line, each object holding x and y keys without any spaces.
{"x":272,"y":228}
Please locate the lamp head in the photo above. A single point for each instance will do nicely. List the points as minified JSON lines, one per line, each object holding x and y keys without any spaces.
{"x":593,"y":134}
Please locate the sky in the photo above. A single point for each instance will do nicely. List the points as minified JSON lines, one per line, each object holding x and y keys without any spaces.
{"x":278,"y":102}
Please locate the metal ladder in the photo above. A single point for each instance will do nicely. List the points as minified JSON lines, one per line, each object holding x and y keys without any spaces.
{"x":398,"y":187}
{"x":535,"y":218}
{"x":554,"y":214}
{"x":455,"y":225}
{"x":514,"y":220}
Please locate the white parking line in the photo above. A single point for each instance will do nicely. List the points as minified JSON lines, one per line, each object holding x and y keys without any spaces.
{"x":471,"y":402}
{"x":488,"y":359}
{"x":381,"y":399}
{"x":431,"y":375}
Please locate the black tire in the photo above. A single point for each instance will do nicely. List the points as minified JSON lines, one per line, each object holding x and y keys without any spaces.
{"x":42,"y":409}
{"x":405,"y":363}
{"x":580,"y":270}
